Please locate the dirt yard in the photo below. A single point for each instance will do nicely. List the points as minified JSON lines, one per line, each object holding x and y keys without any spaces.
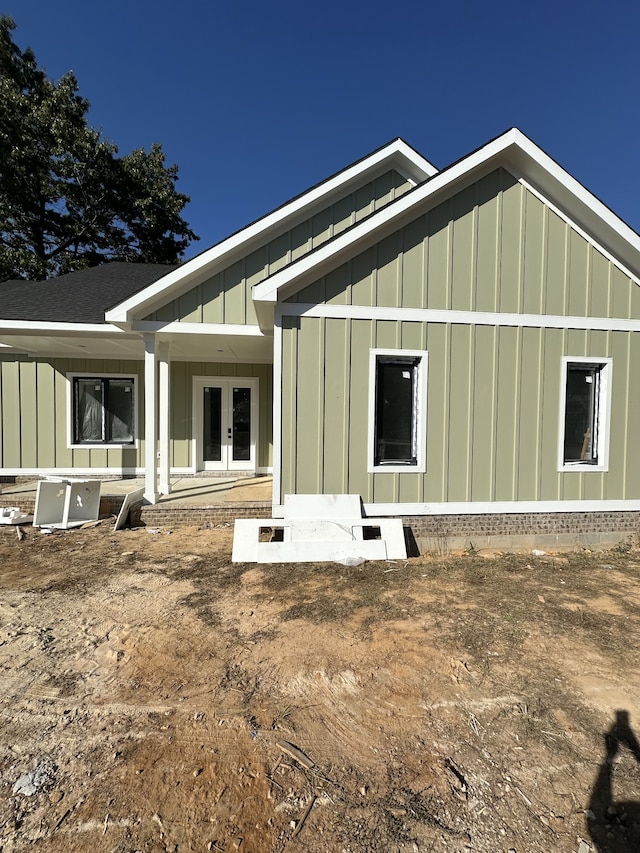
{"x":156,"y":697}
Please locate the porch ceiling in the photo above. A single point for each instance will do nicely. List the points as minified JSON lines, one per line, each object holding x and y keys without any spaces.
{"x":183,"y":347}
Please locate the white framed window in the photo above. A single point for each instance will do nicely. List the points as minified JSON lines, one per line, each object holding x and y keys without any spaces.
{"x":101,"y":410}
{"x":397,"y":410}
{"x":585,"y":414}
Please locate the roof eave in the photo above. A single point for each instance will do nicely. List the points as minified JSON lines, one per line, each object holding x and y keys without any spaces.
{"x":397,"y":154}
{"x":518,"y":154}
{"x":31,"y":326}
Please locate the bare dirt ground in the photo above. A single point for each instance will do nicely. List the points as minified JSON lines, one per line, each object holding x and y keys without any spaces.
{"x":156,"y":697}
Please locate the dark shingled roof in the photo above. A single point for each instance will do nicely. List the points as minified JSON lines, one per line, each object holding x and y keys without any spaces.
{"x":77,"y":297}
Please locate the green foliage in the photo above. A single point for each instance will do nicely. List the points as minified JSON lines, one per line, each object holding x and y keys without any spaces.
{"x":67,"y":200}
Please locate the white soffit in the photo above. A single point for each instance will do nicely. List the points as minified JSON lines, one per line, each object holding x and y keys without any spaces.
{"x":397,"y":154}
{"x":519,"y":155}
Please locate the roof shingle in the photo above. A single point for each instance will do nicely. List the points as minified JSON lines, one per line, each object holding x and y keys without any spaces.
{"x":77,"y":297}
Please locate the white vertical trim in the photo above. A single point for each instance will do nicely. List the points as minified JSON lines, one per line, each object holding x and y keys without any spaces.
{"x":150,"y":425}
{"x":277,"y":405}
{"x":420,"y":414}
{"x":603,"y":414}
{"x":164,"y":409}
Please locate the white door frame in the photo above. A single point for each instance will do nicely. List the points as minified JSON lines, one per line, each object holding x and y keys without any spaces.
{"x":227,"y":383}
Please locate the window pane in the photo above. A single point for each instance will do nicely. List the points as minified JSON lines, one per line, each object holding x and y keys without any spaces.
{"x":581,"y":417}
{"x":120,"y":410}
{"x":241,"y":424}
{"x":89,"y":409}
{"x":395,"y":411}
{"x":212,"y":426}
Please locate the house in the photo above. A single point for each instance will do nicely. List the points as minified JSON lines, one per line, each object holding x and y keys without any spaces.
{"x":454,"y":344}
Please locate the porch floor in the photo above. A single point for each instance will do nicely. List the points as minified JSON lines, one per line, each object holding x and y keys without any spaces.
{"x":185,"y":491}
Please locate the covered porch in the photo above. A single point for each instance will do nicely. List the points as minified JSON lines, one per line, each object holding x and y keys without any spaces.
{"x":200,"y":401}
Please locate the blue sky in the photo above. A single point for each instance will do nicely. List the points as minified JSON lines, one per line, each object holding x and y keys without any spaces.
{"x":255,"y":102}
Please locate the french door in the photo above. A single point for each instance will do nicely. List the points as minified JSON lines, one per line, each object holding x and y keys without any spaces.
{"x":226,"y":423}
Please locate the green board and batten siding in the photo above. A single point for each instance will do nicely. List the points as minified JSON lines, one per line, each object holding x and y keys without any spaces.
{"x":493,"y":399}
{"x":34,"y":401}
{"x":493,"y":247}
{"x":226,"y":297}
{"x":34,"y":404}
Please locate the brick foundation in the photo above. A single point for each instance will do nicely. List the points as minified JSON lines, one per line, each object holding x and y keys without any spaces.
{"x":438,"y":534}
{"x":441,"y":533}
{"x":160,"y":514}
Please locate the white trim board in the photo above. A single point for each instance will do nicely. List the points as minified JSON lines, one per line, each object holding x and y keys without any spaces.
{"x":456,"y":317}
{"x":226,"y":383}
{"x":71,"y":472}
{"x":498,"y":507}
{"x":180,"y":328}
{"x":574,"y":225}
{"x":603,"y":413}
{"x":397,"y":154}
{"x":277,"y":408}
{"x":101,"y":445}
{"x":514,"y":151}
{"x":419,"y":411}
{"x":107,"y":472}
{"x":104,"y":329}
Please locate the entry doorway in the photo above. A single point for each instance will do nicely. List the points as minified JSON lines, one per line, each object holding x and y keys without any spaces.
{"x":225,"y":423}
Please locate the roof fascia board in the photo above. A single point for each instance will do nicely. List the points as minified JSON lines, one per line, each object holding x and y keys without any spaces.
{"x":601,"y":225}
{"x":577,"y":228}
{"x":37,"y":326}
{"x":396,"y":154}
{"x":179,"y":328}
{"x":268,"y":289}
{"x":517,"y":154}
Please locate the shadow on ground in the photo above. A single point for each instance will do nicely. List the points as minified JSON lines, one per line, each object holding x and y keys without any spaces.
{"x":614,"y":824}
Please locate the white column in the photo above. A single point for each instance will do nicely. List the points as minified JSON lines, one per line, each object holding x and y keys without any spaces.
{"x":164,"y":402}
{"x":150,"y":421}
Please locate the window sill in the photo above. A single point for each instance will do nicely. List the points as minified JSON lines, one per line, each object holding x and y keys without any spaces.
{"x":103,"y":446}
{"x":396,"y":469}
{"x":580,"y":466}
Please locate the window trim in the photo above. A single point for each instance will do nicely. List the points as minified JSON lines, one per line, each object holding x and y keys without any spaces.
{"x":102,"y":445}
{"x":420,"y":417}
{"x":603,"y":414}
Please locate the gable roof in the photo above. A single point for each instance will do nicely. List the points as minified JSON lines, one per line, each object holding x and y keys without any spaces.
{"x":512,"y":150}
{"x":77,"y":297}
{"x":397,"y":155}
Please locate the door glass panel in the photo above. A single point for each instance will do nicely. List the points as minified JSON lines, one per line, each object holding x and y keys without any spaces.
{"x":212,"y":425}
{"x":241,"y":426}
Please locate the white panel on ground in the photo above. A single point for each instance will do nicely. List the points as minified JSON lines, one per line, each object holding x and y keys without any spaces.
{"x":130,"y":499}
{"x":319,"y":528}
{"x":13,"y":515}
{"x":322,"y":506}
{"x":65,"y":503}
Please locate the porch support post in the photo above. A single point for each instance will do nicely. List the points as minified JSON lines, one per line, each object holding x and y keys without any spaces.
{"x":164,"y":402}
{"x":150,"y":421}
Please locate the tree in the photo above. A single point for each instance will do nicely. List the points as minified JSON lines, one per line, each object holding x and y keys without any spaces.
{"x":67,"y":200}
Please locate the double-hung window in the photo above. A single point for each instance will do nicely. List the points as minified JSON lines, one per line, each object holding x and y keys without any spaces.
{"x":103,"y":410}
{"x":585,"y":414}
{"x":397,"y":410}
